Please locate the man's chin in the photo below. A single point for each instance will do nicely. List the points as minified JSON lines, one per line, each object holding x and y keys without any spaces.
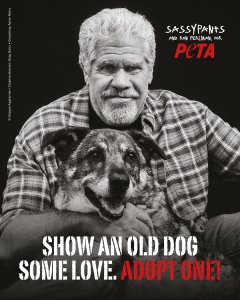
{"x":121,"y":121}
{"x":120,"y":118}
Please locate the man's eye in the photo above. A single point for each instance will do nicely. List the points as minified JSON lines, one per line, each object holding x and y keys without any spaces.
{"x":108,"y":68}
{"x":132,"y":68}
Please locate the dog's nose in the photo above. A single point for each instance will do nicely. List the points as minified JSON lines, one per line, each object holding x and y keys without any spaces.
{"x":118,"y":179}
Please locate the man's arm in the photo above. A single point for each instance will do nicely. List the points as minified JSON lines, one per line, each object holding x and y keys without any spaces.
{"x":222,"y":232}
{"x":23,"y":236}
{"x":223,"y":147}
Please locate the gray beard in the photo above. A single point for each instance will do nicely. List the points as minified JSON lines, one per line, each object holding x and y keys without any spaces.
{"x":124,"y":115}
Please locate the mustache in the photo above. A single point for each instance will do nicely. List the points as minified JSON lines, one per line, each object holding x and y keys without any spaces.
{"x":119,"y":94}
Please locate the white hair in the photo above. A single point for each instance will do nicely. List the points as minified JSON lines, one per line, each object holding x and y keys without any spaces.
{"x":108,"y":22}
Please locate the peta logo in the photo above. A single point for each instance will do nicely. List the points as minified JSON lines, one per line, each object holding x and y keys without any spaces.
{"x":197,"y":50}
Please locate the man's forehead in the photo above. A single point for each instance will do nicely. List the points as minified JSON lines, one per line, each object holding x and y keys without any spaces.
{"x":114,"y":57}
{"x":131,"y":48}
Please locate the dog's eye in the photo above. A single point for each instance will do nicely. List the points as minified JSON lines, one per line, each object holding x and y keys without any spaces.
{"x":96,"y":154}
{"x":130,"y":156}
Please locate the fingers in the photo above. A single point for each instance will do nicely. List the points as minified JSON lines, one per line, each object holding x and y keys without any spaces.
{"x":141,"y":206}
{"x":142,"y":216}
{"x":151,"y":211}
{"x":141,"y":228}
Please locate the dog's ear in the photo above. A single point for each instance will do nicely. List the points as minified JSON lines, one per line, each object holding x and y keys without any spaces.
{"x":64,"y":140}
{"x":149,"y":147}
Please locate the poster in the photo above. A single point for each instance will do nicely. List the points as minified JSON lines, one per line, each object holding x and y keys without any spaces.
{"x":43,"y":63}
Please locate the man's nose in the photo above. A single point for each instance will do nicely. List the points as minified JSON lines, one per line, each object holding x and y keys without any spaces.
{"x":121,"y":80}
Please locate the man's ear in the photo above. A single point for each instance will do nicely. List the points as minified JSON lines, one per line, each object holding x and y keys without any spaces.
{"x":149,"y":147}
{"x":64,"y":140}
{"x":86,"y":77}
{"x":86,"y":70}
{"x":150,"y":73}
{"x":150,"y":77}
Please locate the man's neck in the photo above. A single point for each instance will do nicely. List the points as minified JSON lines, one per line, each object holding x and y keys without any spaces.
{"x":96,"y":123}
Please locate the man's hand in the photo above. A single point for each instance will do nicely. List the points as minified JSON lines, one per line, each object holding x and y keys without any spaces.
{"x":135,"y":222}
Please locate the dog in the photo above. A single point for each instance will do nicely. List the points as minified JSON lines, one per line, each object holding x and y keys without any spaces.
{"x":102,"y":170}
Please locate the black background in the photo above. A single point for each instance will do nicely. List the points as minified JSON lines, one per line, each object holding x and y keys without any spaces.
{"x":45,"y":65}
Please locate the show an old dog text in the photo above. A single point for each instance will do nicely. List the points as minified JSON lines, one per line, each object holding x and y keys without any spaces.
{"x":84,"y":258}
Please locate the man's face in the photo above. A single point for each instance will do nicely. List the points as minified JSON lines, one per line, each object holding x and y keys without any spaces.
{"x":118,"y":80}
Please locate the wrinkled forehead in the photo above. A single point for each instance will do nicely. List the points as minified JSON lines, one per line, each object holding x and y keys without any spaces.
{"x":116,"y":45}
{"x":109,"y":140}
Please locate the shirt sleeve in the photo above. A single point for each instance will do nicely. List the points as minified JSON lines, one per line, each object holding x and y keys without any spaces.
{"x":27,"y":188}
{"x":223,"y":148}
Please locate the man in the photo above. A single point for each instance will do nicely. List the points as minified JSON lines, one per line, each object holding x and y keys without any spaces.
{"x":117,"y":54}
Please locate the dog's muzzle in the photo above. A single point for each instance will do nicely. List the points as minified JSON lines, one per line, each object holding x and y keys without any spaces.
{"x":106,"y":208}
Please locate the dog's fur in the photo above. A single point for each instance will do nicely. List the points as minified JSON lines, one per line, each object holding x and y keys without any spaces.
{"x":101,"y":170}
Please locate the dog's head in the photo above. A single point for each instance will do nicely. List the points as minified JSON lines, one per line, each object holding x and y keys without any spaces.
{"x":100,"y":169}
